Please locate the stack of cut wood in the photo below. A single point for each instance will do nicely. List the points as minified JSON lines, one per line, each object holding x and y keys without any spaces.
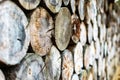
{"x":59,"y":40}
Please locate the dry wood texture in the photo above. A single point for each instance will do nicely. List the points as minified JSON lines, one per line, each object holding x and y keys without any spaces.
{"x":14,"y":36}
{"x":29,"y":4}
{"x":63,"y":39}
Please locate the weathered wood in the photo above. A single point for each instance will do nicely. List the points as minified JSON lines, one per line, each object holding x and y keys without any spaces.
{"x":83,"y":33}
{"x":90,"y":32}
{"x":14,"y":35}
{"x":81,"y":9}
{"x":75,"y":77}
{"x":95,"y":30}
{"x":78,"y":58}
{"x":63,"y":28}
{"x":83,"y":75}
{"x":29,"y":4}
{"x":53,"y":5}
{"x":76,"y":28}
{"x":53,"y":64}
{"x":73,"y":5}
{"x":2,"y":77}
{"x":31,"y":68}
{"x":66,"y":2}
{"x":67,"y":65}
{"x":41,"y":25}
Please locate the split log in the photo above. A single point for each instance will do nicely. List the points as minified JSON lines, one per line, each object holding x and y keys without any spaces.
{"x":75,"y":77}
{"x":66,"y":2}
{"x":76,"y":28}
{"x":53,"y":5}
{"x":67,"y":65}
{"x":53,"y":64}
{"x":14,"y":35}
{"x":90,"y":32}
{"x":29,"y":4}
{"x":102,"y":32}
{"x":83,"y":34}
{"x":41,"y":25}
{"x":81,"y":9}
{"x":97,"y":49}
{"x":2,"y":77}
{"x":95,"y":70}
{"x":63,"y":28}
{"x":78,"y":58}
{"x":31,"y":68}
{"x":83,"y":75}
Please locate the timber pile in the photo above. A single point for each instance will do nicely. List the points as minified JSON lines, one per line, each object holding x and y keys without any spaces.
{"x":59,"y":40}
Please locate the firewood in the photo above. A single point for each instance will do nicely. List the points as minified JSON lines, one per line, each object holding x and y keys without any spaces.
{"x":53,"y":5}
{"x":78,"y":58}
{"x":63,"y":28}
{"x":83,"y":33}
{"x":75,"y":77}
{"x":76,"y":28}
{"x":97,"y":48}
{"x":84,"y":75}
{"x":2,"y":77}
{"x":53,"y":64}
{"x":66,"y":2}
{"x":81,"y":9}
{"x":29,"y":4}
{"x":14,"y":35}
{"x":90,"y":32}
{"x":95,"y":30}
{"x":102,"y":32}
{"x":67,"y":65}
{"x":31,"y":68}
{"x":73,"y":5}
{"x":41,"y":25}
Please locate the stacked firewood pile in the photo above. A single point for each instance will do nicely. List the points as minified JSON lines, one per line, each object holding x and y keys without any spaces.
{"x":59,"y":40}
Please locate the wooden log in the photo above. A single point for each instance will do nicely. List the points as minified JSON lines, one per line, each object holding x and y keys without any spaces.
{"x":83,"y":75}
{"x":81,"y":9}
{"x":73,"y":5}
{"x":90,"y":32}
{"x":63,"y":28}
{"x":89,"y":56}
{"x":14,"y":35}
{"x":2,"y":77}
{"x":53,"y":5}
{"x":67,"y":65}
{"x":41,"y":25}
{"x":31,"y":68}
{"x":95,"y":30}
{"x":76,"y":28}
{"x":75,"y":77}
{"x":53,"y":64}
{"x":66,"y":2}
{"x":83,"y":33}
{"x":97,"y":48}
{"x":29,"y":4}
{"x":78,"y":58}
{"x":102,"y":32}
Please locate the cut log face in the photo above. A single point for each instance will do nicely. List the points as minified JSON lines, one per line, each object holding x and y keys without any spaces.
{"x":76,"y":28}
{"x":31,"y":68}
{"x":63,"y":28}
{"x":81,"y":9}
{"x":83,"y":33}
{"x":75,"y":77}
{"x":66,"y":2}
{"x":29,"y":4}
{"x":78,"y":58}
{"x":2,"y":77}
{"x":83,"y":75}
{"x":67,"y":65}
{"x":73,"y":5}
{"x":53,"y":5}
{"x":90,"y":32}
{"x":14,"y":35}
{"x":53,"y":64}
{"x":41,"y":25}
